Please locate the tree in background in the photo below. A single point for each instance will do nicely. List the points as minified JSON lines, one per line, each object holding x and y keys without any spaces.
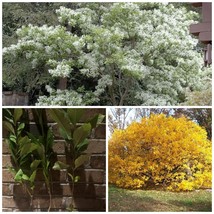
{"x":117,"y":118}
{"x":161,"y":151}
{"x":114,"y":54}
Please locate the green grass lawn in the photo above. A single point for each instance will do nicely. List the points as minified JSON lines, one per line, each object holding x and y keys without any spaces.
{"x":159,"y":201}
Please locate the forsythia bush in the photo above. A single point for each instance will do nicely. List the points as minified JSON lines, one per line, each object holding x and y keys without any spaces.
{"x":161,"y":151}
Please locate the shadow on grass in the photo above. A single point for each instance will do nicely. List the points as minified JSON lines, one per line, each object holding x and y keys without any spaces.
{"x":157,"y":201}
{"x":122,"y":201}
{"x":203,"y":206}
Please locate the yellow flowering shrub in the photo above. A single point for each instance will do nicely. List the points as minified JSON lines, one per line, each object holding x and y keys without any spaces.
{"x":173,"y":153}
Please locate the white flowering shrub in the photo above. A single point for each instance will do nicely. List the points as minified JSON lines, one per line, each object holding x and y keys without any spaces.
{"x":116,"y":54}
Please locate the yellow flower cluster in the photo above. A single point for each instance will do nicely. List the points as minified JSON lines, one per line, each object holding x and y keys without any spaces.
{"x":173,"y":153}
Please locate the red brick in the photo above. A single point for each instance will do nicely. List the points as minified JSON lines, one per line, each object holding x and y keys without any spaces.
{"x":7,"y":176}
{"x":100,"y":132}
{"x":89,"y":113}
{"x":7,"y":189}
{"x":13,"y":202}
{"x":96,"y":146}
{"x":59,"y":147}
{"x":5,"y":148}
{"x":98,"y":161}
{"x":6,"y":161}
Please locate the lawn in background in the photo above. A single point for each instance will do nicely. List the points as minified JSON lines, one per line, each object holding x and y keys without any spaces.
{"x":159,"y":201}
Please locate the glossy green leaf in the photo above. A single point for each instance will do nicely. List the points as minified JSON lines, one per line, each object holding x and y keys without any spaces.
{"x":81,"y":133}
{"x":12,"y":138}
{"x":63,"y":133}
{"x":59,"y":116}
{"x":75,"y":114}
{"x":21,"y":126}
{"x":17,"y":114}
{"x":23,"y":140}
{"x":32,"y":179}
{"x":60,"y":165}
{"x":34,"y":165}
{"x":18,"y":176}
{"x":27,"y":148}
{"x":82,"y":146}
{"x":50,"y":139}
{"x":81,"y":160}
{"x":8,"y":126}
{"x":25,"y":177}
{"x":76,"y":179}
{"x":97,"y":119}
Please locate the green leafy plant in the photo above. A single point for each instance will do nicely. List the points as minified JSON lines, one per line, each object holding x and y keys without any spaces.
{"x":30,"y":152}
{"x":44,"y":148}
{"x":33,"y":152}
{"x":76,"y":137}
{"x":20,"y":147}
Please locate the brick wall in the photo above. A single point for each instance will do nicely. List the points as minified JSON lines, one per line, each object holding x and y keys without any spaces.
{"x":89,"y":192}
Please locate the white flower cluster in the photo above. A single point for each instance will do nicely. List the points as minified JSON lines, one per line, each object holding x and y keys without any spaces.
{"x":82,"y":17}
{"x":61,"y":98}
{"x":103,"y":82}
{"x":62,"y":69}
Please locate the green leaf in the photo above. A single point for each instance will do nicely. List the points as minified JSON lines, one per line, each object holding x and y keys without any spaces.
{"x":60,"y":165}
{"x":82,"y":146}
{"x":50,"y":139}
{"x":21,"y":126}
{"x":81,"y":133}
{"x":20,"y":129}
{"x":81,"y":160}
{"x":76,"y":179}
{"x":7,"y":113}
{"x":32,"y":179}
{"x":27,"y":148}
{"x":18,"y":176}
{"x":32,"y":137}
{"x":8,"y":126}
{"x":23,"y":140}
{"x":75,"y":114}
{"x":34,"y":165}
{"x":17,"y":114}
{"x":12,"y":138}
{"x":41,"y":151}
{"x":25,"y":177}
{"x":62,"y":121}
{"x":63,"y":134}
{"x":97,"y":119}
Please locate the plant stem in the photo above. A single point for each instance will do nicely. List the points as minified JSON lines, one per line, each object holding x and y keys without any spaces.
{"x":50,"y":199}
